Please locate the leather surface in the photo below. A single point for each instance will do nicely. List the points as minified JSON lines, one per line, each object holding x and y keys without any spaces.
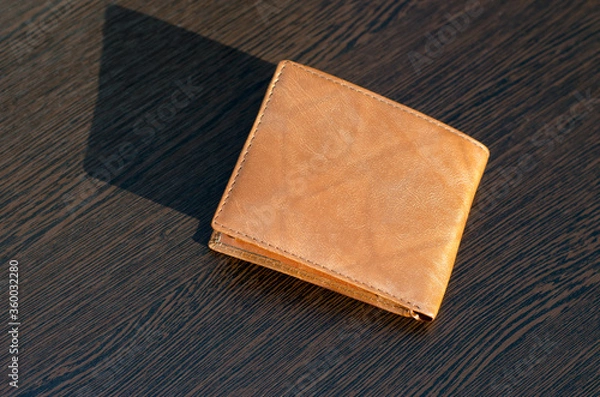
{"x":351,"y":188}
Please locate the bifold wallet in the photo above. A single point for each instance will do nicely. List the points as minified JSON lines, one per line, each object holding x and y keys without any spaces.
{"x":348,"y":190}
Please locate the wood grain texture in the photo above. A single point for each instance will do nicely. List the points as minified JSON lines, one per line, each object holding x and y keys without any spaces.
{"x":111,"y":171}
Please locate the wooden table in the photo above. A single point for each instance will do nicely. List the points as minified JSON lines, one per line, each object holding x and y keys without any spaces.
{"x":120,"y":125}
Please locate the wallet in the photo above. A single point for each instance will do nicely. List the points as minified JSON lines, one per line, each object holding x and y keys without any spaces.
{"x":351,"y":191}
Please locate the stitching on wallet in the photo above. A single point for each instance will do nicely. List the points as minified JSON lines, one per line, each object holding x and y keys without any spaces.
{"x":278,"y":264}
{"x":318,"y":265}
{"x":255,"y":130}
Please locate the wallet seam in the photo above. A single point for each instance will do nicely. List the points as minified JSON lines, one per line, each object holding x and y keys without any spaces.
{"x":255,"y":131}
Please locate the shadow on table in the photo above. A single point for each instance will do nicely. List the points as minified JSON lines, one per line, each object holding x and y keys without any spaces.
{"x":174,"y":109}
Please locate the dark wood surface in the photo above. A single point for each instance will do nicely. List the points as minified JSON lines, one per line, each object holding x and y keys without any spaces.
{"x":108,"y":187}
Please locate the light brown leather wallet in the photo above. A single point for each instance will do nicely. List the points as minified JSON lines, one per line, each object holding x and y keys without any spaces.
{"x":346,"y":189}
